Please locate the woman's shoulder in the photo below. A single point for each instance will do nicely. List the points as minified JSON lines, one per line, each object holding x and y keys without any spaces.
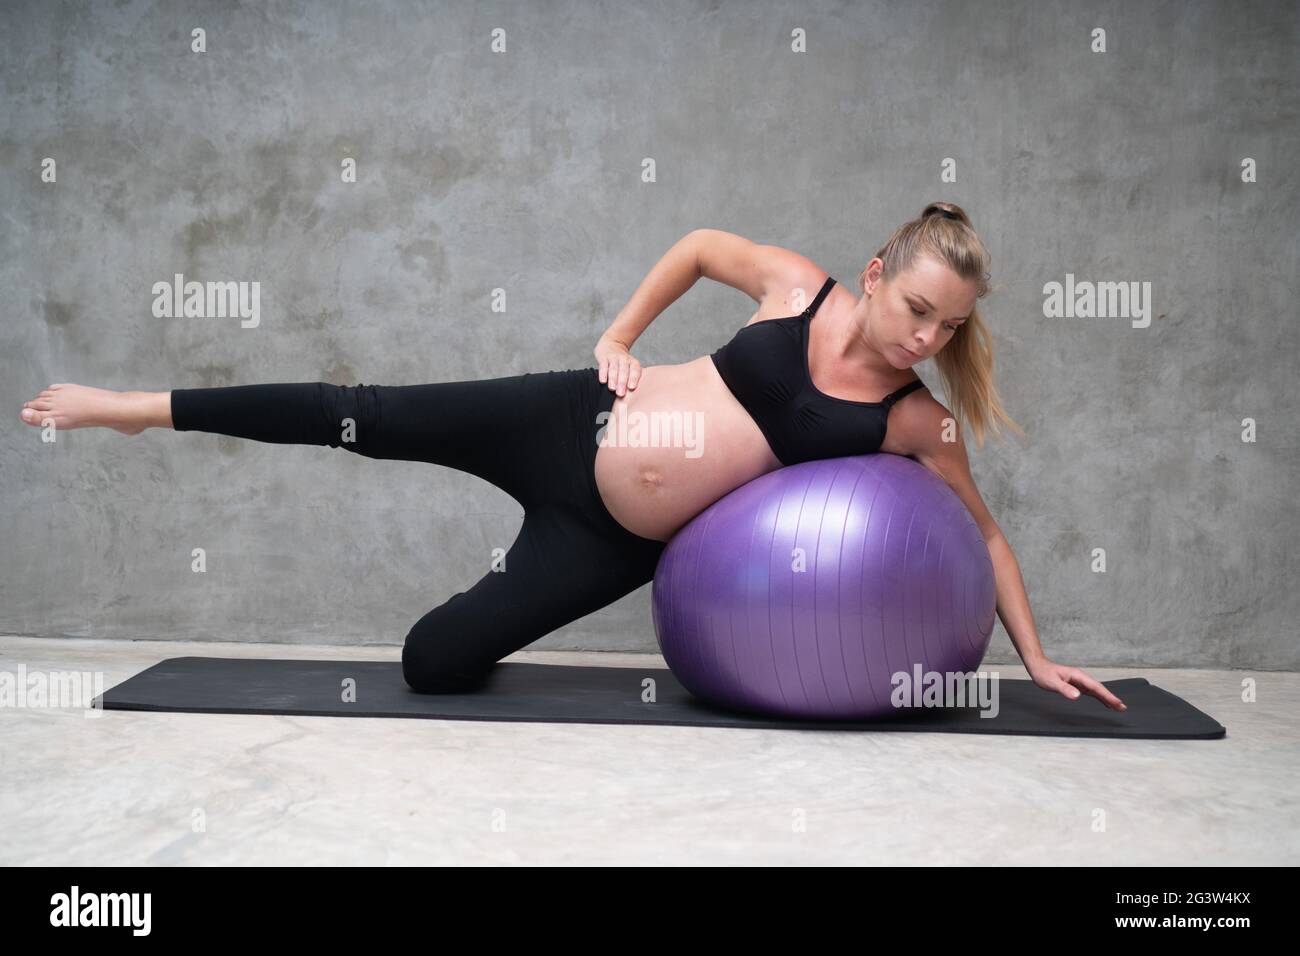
{"x":920,"y":424}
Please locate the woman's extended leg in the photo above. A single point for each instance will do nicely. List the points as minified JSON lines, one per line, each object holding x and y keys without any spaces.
{"x":506,"y":430}
{"x":473,"y":426}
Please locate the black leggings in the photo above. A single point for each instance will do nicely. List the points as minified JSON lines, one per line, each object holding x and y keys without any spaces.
{"x":532,"y":435}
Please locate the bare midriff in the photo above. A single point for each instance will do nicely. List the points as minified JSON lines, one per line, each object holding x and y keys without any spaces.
{"x":674,"y":445}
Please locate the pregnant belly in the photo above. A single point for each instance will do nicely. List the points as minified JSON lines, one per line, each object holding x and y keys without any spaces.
{"x":674,"y":445}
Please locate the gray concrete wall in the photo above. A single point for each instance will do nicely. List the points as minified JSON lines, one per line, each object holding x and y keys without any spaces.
{"x":523,"y":171}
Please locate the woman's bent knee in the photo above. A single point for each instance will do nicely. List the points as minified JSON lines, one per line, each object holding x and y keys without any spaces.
{"x":428,"y":672}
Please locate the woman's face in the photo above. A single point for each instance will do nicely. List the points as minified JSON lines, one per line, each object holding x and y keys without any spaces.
{"x":912,"y":317}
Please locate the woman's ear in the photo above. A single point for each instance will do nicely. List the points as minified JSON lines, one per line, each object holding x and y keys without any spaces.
{"x":868,"y":277}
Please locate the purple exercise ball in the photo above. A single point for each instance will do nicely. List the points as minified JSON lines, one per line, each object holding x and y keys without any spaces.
{"x":802,"y":592}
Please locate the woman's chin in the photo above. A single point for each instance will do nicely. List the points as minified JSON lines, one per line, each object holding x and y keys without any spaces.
{"x":900,"y":357}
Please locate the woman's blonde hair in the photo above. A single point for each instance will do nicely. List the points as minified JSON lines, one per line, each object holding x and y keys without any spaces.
{"x":944,"y":231}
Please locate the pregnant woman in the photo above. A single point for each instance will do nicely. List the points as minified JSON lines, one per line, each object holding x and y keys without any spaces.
{"x":602,"y":493}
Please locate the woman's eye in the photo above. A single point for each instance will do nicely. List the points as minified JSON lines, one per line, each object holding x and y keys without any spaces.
{"x":915,"y":311}
{"x":950,"y":328}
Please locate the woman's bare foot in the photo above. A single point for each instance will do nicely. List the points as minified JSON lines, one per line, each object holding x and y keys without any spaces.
{"x":80,"y":406}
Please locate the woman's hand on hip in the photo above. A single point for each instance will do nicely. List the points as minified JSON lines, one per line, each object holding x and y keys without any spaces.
{"x":618,"y":369}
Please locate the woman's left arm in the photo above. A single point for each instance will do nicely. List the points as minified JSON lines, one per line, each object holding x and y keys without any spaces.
{"x":925,"y":427}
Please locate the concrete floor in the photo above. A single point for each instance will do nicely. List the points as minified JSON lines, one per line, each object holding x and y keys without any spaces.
{"x":146,"y":788}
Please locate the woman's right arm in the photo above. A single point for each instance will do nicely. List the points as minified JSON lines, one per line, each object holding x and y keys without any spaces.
{"x":722,"y":256}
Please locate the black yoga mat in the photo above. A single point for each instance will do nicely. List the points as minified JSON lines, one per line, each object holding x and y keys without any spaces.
{"x":611,"y":695}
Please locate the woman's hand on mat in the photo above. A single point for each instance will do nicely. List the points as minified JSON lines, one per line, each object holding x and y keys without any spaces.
{"x":1071,"y":682}
{"x":618,"y":369}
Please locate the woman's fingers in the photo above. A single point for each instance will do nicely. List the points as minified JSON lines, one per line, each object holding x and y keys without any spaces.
{"x":1098,"y":690}
{"x":621,"y":372}
{"x":1067,"y":690}
{"x":625,"y":376}
{"x":1070,"y":681}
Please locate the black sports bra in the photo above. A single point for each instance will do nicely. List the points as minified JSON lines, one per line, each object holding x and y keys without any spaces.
{"x":766,"y":367}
